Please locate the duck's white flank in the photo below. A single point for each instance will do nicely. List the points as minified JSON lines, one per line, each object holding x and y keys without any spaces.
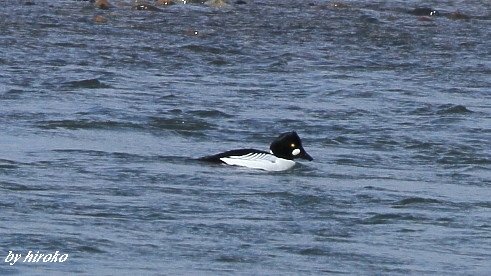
{"x":261,"y":161}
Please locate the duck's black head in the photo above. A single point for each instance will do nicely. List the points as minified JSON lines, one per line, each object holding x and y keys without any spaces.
{"x":289,"y":146}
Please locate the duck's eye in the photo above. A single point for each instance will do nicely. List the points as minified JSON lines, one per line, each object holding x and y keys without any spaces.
{"x":292,"y":145}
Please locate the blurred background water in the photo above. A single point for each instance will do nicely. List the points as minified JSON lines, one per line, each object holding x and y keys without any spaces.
{"x":103,"y":111}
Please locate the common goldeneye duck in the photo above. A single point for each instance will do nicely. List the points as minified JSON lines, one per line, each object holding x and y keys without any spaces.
{"x":283,"y":150}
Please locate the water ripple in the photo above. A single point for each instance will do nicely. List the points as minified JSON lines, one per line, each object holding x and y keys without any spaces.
{"x":88,"y":83}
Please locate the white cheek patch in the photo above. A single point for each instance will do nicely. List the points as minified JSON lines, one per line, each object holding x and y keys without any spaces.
{"x":295,"y":152}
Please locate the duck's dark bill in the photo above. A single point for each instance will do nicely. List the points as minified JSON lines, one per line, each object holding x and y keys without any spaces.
{"x":306,"y":156}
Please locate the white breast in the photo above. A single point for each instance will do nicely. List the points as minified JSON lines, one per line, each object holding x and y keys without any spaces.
{"x":261,"y":161}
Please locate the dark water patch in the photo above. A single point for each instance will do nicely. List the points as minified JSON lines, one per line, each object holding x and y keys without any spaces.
{"x":412,"y":143}
{"x":211,"y":113}
{"x":483,"y":204}
{"x":87,"y":124}
{"x":444,"y":109}
{"x":391,"y":218}
{"x":373,"y":188}
{"x":11,"y":186}
{"x":203,"y":49}
{"x":146,"y":7}
{"x":166,"y":97}
{"x":8,"y":164}
{"x":368,"y":19}
{"x":415,"y":201}
{"x":346,"y":161}
{"x":461,"y":156}
{"x":219,"y":62}
{"x":236,"y":258}
{"x":307,"y":200}
{"x":12,"y":94}
{"x":6,"y":205}
{"x":333,"y":234}
{"x":174,"y":111}
{"x":241,"y":203}
{"x":124,"y":192}
{"x":452,"y":109}
{"x":29,"y":3}
{"x":102,"y":214}
{"x":89,"y":249}
{"x":275,"y":194}
{"x":408,"y":230}
{"x":313,"y":251}
{"x":91,"y":245}
{"x":87,"y":83}
{"x":57,"y":62}
{"x":71,"y":45}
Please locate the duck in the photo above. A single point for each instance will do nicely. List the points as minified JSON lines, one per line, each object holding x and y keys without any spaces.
{"x":283,"y":150}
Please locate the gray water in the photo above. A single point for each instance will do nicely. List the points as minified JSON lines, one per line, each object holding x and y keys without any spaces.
{"x":101,"y":124}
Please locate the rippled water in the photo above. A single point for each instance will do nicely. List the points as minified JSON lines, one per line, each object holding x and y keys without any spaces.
{"x":101,"y":122}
